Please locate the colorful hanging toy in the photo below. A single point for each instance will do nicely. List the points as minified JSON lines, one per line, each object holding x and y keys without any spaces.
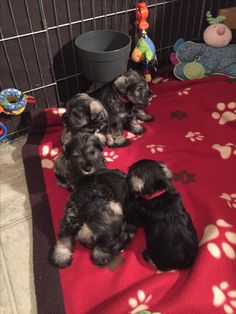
{"x":144,"y":50}
{"x":12,"y":102}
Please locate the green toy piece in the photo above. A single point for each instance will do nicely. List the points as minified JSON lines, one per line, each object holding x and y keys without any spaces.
{"x":214,"y":20}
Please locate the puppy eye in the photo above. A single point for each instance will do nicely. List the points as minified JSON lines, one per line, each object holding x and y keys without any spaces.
{"x":78,"y":115}
{"x":92,"y":152}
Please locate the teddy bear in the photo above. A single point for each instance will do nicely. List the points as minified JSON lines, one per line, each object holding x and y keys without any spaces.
{"x":214,"y":56}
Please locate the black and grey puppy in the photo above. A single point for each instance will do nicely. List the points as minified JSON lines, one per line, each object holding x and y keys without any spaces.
{"x":172,"y":241}
{"x":85,"y":114}
{"x":94,"y":216}
{"x":81,"y":155}
{"x":125,"y":100}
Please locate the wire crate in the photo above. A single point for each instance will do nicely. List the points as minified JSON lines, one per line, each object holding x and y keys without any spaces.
{"x":38,"y":54}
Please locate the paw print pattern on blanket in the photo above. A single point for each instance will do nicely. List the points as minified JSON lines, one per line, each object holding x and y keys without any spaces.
{"x":110,"y":156}
{"x":132,"y":136}
{"x":226,"y":113}
{"x":194,"y":136}
{"x":155,"y":148}
{"x":178,"y":114}
{"x":184,"y":176}
{"x":226,"y":151}
{"x":230,"y":199}
{"x":223,"y":296}
{"x":59,"y":111}
{"x":212,"y":232}
{"x":139,"y":304}
{"x":184,"y":92}
{"x":48,"y":156}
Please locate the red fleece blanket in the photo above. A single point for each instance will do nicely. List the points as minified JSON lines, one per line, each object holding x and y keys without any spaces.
{"x":194,"y":133}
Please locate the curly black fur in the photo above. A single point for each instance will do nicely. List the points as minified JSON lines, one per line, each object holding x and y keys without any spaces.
{"x":94,"y":214}
{"x":124,"y":100}
{"x":171,"y":238}
{"x":81,"y":155}
{"x":85,"y":114}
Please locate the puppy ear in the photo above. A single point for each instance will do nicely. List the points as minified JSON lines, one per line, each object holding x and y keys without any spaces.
{"x":66,"y":148}
{"x":98,"y":144}
{"x":135,"y":184}
{"x":66,"y":136}
{"x":95,"y":108}
{"x":121,"y":84}
{"x":69,"y":151}
{"x":166,"y":171}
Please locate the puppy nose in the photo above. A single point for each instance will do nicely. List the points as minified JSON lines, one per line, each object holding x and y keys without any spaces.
{"x":221,"y":30}
{"x":87,"y":168}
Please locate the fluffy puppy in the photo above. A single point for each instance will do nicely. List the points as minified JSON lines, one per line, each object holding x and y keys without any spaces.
{"x":94,"y":215}
{"x":171,"y":238}
{"x":125,"y":99}
{"x":81,"y":155}
{"x":85,"y":114}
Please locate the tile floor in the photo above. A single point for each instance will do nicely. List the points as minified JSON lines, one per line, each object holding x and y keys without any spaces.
{"x":17,"y":294}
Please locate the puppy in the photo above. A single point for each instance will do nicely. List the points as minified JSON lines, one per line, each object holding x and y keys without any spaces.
{"x":94,"y":215}
{"x":81,"y":155}
{"x":125,"y":99}
{"x":85,"y":114}
{"x":171,"y":238}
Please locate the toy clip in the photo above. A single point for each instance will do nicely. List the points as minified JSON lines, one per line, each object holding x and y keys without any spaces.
{"x":142,"y":15}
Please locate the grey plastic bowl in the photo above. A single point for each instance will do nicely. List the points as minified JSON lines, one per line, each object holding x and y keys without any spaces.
{"x":103,"y":54}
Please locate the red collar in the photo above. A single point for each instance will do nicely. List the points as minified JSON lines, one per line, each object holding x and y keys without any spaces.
{"x":122,"y":99}
{"x":156,"y":194}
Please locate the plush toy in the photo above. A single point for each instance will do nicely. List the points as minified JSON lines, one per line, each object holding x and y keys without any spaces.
{"x":215,"y":56}
{"x":144,"y":50}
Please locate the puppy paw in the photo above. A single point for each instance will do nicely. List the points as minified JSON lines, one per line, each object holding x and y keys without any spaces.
{"x":137,"y":129}
{"x":121,"y":142}
{"x":101,"y":258}
{"x":147,"y":118}
{"x":61,"y":256}
{"x":143,"y":116}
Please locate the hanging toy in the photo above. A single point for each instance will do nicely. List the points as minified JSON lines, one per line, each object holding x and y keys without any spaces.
{"x":13,"y":101}
{"x":144,"y":50}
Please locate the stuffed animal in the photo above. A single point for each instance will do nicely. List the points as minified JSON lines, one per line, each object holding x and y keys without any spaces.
{"x":215,"y":56}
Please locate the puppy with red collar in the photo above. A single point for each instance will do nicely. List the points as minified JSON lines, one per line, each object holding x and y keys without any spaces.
{"x":153,"y":203}
{"x":125,"y":100}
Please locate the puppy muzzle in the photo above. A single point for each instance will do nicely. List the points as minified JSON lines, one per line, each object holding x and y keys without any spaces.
{"x":88,"y":170}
